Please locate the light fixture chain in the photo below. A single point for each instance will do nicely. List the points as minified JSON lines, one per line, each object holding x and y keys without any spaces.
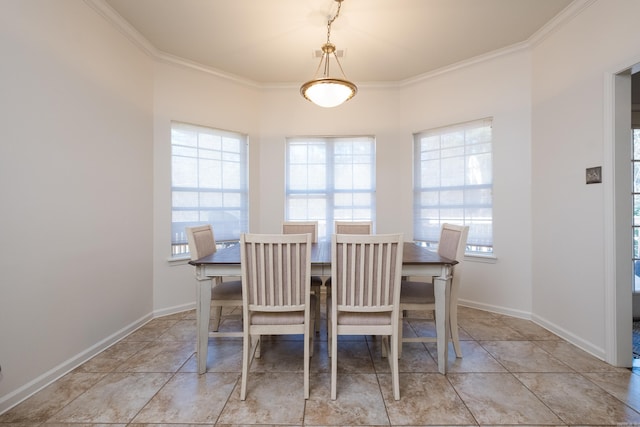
{"x":333,"y":19}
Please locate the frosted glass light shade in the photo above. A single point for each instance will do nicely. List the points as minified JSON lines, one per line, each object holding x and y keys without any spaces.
{"x":328,"y":92}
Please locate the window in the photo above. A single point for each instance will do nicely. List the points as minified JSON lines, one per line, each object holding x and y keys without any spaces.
{"x":636,"y":209}
{"x":208,"y":183}
{"x":329,"y":179}
{"x":453,"y":183}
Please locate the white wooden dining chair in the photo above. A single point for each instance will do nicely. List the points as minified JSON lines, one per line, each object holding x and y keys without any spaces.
{"x":299,"y":227}
{"x":354,"y":227}
{"x":276,"y":285}
{"x":366,"y":274}
{"x":417,"y":294}
{"x":348,"y":227}
{"x":227,"y":293}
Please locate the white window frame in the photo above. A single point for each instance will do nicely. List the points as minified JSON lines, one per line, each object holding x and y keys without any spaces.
{"x":329,"y":179}
{"x":209,"y":183}
{"x":453,"y":183}
{"x":635,"y":202}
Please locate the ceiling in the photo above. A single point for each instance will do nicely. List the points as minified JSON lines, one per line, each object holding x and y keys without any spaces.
{"x":274,"y":41}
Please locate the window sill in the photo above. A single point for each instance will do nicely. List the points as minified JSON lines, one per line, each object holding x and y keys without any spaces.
{"x":178,"y":260}
{"x":486,"y":259}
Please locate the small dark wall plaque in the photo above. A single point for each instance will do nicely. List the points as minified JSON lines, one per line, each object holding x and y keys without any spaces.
{"x":594,"y":175}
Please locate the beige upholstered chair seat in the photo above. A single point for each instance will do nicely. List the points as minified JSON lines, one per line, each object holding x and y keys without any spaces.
{"x":362,"y":318}
{"x":282,"y":318}
{"x":374,"y":319}
{"x":417,"y":292}
{"x":230,"y":290}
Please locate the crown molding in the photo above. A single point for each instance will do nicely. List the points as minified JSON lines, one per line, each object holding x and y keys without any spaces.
{"x":133,"y":35}
{"x":176,"y":60}
{"x":108,"y":13}
{"x":466,"y":63}
{"x":568,"y":13}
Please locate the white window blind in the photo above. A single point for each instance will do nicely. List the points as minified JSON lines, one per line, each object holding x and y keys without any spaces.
{"x":453,"y":183}
{"x":329,"y":179}
{"x":209,"y":183}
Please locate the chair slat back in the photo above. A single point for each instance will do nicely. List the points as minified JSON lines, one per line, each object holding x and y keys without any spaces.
{"x":353,"y":227}
{"x":276,"y":271}
{"x":300,"y":227}
{"x":366,"y":271}
{"x":201,"y":241}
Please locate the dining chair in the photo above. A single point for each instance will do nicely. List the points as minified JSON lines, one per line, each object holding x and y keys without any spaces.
{"x":349,"y":227}
{"x":354,"y":227}
{"x":276,"y":290}
{"x":366,"y":293}
{"x":418,"y":295}
{"x":297,"y":227}
{"x":202,"y":243}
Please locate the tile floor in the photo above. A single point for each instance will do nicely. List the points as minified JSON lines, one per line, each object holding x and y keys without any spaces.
{"x":513,"y":373}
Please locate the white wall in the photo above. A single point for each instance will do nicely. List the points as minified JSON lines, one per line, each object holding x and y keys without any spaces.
{"x":568,"y":136}
{"x":76,"y":186}
{"x":190,"y":96}
{"x":499,"y":88}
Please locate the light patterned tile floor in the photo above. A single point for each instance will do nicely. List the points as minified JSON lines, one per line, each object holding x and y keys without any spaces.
{"x":513,"y":373}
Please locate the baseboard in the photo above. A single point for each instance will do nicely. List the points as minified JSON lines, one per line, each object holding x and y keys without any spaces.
{"x":598,"y":352}
{"x":173,"y":310}
{"x":12,"y":399}
{"x":550,"y":326}
{"x":495,"y":309}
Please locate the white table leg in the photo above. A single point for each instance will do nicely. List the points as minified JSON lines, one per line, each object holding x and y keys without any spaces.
{"x":442,"y":290}
{"x":203,"y":313}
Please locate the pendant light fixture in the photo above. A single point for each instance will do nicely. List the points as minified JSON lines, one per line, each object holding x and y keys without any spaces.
{"x":327,"y":91}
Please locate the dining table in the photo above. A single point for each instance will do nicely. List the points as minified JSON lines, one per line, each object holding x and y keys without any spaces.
{"x":417,"y":261}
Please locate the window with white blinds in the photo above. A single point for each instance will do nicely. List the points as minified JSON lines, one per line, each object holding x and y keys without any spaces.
{"x":329,"y":179}
{"x":453,"y":183}
{"x":209,"y":183}
{"x":635,"y":162}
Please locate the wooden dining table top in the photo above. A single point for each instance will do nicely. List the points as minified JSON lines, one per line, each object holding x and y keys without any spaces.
{"x":321,"y":254}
